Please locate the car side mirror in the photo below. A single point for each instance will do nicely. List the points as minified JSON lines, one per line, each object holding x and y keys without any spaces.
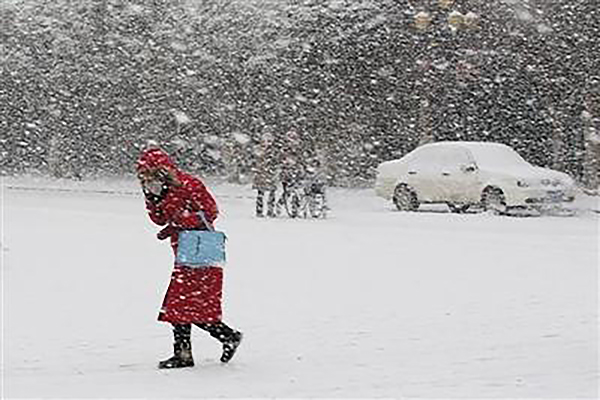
{"x":470,"y":168}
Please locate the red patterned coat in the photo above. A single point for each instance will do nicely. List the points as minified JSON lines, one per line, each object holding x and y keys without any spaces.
{"x":194,"y":294}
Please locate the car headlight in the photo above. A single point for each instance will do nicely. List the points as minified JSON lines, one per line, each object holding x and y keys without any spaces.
{"x":521,"y":183}
{"x":551,"y":182}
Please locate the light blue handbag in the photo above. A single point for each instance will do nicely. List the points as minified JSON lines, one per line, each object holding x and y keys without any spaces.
{"x":196,"y":248}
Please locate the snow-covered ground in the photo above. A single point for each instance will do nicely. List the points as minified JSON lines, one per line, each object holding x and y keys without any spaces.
{"x":367,"y":303}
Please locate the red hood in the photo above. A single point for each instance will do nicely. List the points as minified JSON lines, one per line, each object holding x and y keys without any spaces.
{"x":155,"y":158}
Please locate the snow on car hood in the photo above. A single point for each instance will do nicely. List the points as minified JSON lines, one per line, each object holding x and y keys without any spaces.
{"x":504,"y":160}
{"x":530,"y":174}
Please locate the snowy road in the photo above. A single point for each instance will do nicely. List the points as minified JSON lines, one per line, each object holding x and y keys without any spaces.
{"x":368,"y":303}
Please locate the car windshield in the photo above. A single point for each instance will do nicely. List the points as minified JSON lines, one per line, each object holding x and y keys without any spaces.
{"x":497,"y":156}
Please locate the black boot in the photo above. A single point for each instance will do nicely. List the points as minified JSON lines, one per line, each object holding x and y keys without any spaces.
{"x":230,"y":346}
{"x":181,"y":359}
{"x":182,"y":348}
{"x":230,"y":338}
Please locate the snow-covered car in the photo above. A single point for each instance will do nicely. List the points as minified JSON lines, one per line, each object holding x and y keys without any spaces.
{"x":463,"y":174}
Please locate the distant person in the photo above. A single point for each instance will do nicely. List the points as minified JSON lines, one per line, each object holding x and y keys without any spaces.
{"x":175,"y":198}
{"x":265,"y":176}
{"x":292,"y":170}
{"x":315,"y":177}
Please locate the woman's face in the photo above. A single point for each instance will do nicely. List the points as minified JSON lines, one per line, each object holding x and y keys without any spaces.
{"x":146,"y":174}
{"x":154,"y":180}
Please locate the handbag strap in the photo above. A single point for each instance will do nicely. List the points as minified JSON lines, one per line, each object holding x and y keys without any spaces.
{"x":205,"y":221}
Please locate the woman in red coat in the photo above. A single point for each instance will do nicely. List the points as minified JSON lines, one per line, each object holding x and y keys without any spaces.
{"x":175,"y":198}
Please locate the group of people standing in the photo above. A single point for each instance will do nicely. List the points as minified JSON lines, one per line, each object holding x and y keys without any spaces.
{"x":281,"y":163}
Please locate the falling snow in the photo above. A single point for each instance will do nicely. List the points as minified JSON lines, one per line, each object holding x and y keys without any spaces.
{"x":94,"y":75}
{"x":505,"y":306}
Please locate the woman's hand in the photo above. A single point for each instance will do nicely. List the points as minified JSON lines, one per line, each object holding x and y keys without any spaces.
{"x":166,"y":232}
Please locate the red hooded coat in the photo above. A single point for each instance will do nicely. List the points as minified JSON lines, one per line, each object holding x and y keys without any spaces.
{"x":194,"y":294}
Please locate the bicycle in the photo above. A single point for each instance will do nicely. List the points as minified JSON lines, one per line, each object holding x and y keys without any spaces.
{"x":306,"y":200}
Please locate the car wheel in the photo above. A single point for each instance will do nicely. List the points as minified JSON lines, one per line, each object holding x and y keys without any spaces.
{"x":405,"y":198}
{"x":317,"y":206}
{"x":458,"y":208}
{"x":492,"y":199}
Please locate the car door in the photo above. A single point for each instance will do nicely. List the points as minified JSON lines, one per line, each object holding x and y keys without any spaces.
{"x":458,"y":174}
{"x":422,"y":174}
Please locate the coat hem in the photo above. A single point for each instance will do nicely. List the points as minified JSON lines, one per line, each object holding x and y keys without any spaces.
{"x":173,"y":320}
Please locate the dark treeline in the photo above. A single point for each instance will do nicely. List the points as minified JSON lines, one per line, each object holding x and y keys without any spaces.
{"x":85,"y":84}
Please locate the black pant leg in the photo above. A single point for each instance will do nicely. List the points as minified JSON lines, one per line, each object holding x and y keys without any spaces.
{"x":219,"y":330}
{"x":259,"y":202}
{"x":182,"y":333}
{"x":271,"y":203}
